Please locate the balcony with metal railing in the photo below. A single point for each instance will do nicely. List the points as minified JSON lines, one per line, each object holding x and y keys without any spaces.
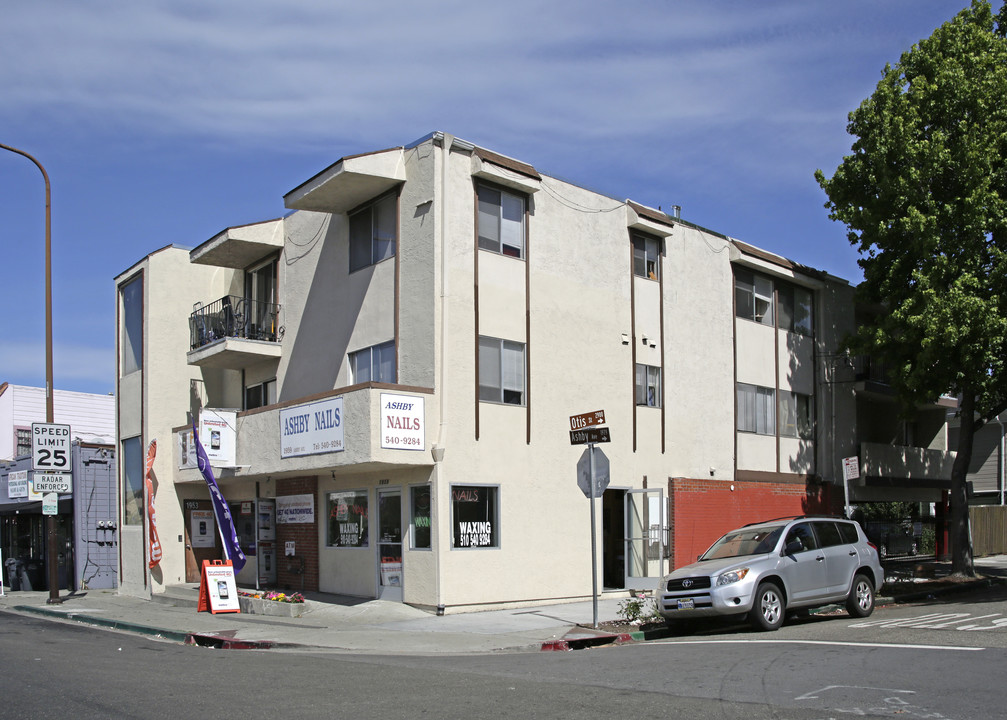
{"x":234,"y":332}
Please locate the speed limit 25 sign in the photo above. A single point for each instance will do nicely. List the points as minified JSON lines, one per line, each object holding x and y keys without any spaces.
{"x":50,"y":447}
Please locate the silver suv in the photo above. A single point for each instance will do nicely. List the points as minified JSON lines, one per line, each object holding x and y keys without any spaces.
{"x":768,"y":568}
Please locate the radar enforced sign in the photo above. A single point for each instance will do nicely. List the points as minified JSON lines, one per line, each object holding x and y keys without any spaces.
{"x":61,"y":483}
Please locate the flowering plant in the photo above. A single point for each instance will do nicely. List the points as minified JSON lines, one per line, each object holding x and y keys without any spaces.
{"x":274,"y":596}
{"x":638,"y":609}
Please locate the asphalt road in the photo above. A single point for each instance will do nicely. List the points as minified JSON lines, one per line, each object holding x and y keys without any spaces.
{"x":940,"y":660}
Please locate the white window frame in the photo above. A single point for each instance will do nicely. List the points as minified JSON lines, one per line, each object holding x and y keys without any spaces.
{"x":797,"y":415}
{"x":502,"y":371}
{"x":501,"y":220}
{"x":648,"y":385}
{"x":756,"y":409}
{"x":494,"y":491}
{"x":374,"y":239}
{"x":646,"y":256}
{"x":753,"y":295}
{"x":365,"y":364}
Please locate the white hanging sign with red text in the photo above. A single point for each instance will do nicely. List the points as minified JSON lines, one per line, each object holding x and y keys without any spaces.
{"x":402,"y":423}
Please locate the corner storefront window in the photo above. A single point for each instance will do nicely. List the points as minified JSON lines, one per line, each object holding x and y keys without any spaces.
{"x":419,"y":509}
{"x":474,"y":519}
{"x":347,"y":519}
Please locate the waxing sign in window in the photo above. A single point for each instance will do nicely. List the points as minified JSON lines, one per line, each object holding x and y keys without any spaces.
{"x":474,"y":516}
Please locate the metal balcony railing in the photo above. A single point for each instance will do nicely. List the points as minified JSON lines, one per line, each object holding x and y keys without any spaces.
{"x":234,"y":317}
{"x":873,"y":369}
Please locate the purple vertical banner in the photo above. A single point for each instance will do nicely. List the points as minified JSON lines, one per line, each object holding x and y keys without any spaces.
{"x":228,"y":535}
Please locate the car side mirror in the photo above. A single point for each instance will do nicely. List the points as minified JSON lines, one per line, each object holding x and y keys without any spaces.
{"x":794,"y":546}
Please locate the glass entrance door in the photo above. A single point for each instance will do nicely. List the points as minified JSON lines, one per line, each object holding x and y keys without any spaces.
{"x":390,"y":544}
{"x":646,"y":519}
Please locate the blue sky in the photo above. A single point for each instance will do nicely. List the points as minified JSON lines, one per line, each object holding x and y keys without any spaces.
{"x":166,"y":122}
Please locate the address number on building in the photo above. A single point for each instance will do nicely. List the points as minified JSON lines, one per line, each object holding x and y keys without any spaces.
{"x":50,"y":447}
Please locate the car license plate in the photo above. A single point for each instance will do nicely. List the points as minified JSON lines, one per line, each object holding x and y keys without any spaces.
{"x":689,"y":604}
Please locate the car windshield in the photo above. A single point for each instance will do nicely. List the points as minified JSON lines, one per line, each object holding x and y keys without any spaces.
{"x":747,"y":541}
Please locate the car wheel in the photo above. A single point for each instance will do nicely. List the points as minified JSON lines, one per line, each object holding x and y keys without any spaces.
{"x":769,"y":608}
{"x":860,"y":602}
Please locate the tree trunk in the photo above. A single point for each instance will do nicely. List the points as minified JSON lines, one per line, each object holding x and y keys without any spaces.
{"x":959,"y":535}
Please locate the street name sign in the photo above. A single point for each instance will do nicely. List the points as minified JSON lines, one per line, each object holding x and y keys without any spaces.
{"x":590,"y":435}
{"x":579,"y":422}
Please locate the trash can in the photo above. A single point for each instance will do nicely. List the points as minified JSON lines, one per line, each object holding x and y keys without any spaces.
{"x":13,"y":573}
{"x":33,"y":575}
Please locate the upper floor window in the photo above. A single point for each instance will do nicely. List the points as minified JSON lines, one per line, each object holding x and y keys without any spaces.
{"x":753,"y":296}
{"x":501,"y":371}
{"x":23,"y":442}
{"x":753,"y":299}
{"x":648,"y":385}
{"x":260,"y":395}
{"x":501,"y":221}
{"x":647,"y":257}
{"x":374,"y":364}
{"x":372,"y":232}
{"x":132,"y":326}
{"x":756,"y":409}
{"x":795,"y":309}
{"x":797,"y":415}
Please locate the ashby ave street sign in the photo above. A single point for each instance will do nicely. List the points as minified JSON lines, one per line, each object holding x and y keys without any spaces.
{"x":590,"y":435}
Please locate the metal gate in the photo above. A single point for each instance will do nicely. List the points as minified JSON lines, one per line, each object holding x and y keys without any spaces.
{"x":646,"y":528}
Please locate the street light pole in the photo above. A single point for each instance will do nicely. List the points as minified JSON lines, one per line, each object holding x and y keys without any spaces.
{"x":49,"y":414}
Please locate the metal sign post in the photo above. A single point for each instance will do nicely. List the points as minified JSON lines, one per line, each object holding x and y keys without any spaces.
{"x":594,"y":543}
{"x":592,"y":478}
{"x":851,"y":471}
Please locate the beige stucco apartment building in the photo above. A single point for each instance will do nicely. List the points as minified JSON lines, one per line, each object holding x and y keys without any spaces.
{"x":386,"y":376}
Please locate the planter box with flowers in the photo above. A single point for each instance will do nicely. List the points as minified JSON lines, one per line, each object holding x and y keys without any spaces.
{"x":272,"y":603}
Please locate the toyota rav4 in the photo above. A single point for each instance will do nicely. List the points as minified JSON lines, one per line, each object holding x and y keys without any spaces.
{"x":766,"y":569}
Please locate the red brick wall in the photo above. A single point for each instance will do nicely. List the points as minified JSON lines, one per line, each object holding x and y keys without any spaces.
{"x":703,"y":510}
{"x":303,"y":535}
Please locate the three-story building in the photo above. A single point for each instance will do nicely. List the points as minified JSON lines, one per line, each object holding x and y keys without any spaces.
{"x":385,"y":379}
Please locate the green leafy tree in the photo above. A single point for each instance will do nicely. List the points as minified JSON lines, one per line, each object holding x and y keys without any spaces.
{"x":924,"y":198}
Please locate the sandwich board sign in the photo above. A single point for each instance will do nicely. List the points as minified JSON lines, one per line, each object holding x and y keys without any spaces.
{"x":217,"y":590}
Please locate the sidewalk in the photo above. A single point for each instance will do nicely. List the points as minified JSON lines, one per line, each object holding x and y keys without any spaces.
{"x":330,"y":622}
{"x":343,"y":624}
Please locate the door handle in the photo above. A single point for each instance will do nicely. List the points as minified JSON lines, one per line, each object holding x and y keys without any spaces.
{"x":820,"y":558}
{"x":853,"y":553}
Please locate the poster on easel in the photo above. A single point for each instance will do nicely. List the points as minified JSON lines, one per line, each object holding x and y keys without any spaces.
{"x":217,"y":589}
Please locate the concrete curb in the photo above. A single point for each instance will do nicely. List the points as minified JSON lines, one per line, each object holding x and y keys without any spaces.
{"x":105,"y":622}
{"x":221,"y":642}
